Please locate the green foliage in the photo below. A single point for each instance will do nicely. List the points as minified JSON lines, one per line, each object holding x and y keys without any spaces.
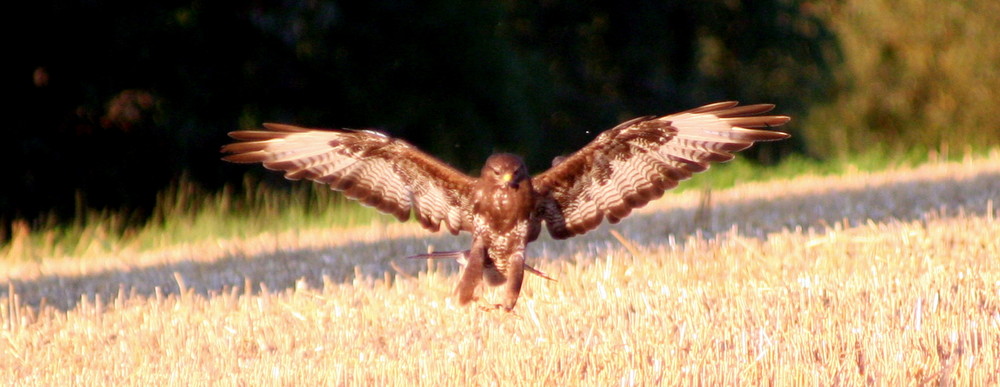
{"x":139,"y":94}
{"x":915,"y":73}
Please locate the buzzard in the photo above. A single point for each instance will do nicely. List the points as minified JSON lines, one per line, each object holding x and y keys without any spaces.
{"x":504,"y":208}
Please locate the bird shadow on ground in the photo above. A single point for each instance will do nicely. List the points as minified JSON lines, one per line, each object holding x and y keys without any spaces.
{"x":905,"y":201}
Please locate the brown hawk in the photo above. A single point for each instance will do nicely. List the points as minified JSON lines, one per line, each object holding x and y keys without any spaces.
{"x":504,"y":208}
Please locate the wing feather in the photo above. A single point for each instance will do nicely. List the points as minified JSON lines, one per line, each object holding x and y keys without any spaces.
{"x":637,"y":161}
{"x":379,"y":171}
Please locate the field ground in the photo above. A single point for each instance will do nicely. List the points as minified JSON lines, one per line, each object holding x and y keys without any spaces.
{"x":884,"y":278}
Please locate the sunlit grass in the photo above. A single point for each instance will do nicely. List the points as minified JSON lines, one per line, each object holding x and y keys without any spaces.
{"x":886,"y":278}
{"x":187,"y":214}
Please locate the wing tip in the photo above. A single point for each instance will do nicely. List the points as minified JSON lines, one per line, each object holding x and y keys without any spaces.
{"x":276,"y":127}
{"x":243,"y":158}
{"x":772,"y":135}
{"x":761,"y":108}
{"x":780,"y":120}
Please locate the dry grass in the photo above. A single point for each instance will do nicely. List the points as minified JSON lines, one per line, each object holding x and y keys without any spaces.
{"x":884,"y":278}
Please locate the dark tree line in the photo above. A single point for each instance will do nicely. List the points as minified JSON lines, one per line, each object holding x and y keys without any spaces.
{"x":114,"y":100}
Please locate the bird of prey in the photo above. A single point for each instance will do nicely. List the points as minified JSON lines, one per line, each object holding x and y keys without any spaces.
{"x":504,"y":208}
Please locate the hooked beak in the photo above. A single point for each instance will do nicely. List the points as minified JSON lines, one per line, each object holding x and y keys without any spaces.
{"x":508,"y":179}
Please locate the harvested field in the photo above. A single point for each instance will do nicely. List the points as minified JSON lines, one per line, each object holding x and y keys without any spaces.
{"x":885,"y":278}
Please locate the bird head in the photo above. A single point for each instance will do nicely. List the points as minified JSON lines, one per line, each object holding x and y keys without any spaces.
{"x":505,"y":170}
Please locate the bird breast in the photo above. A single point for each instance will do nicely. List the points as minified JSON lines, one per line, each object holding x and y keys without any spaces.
{"x":502,"y":208}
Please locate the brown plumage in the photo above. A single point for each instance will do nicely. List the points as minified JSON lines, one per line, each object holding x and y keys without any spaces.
{"x":504,"y":208}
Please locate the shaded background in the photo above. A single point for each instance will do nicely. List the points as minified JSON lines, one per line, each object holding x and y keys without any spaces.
{"x":117,"y":100}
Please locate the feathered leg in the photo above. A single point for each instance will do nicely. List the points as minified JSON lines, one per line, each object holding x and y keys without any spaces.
{"x":472,"y":274}
{"x":515,"y":275}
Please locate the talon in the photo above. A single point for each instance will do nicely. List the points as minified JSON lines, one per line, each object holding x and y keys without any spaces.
{"x":489,"y":307}
{"x":486,"y":307}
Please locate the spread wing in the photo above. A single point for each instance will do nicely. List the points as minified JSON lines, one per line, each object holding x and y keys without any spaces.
{"x":635,"y":162}
{"x":379,"y":171}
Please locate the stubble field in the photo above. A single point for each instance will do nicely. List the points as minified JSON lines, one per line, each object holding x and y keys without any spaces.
{"x":889,"y":278}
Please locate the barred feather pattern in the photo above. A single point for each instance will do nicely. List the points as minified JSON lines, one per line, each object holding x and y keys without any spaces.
{"x":501,"y":246}
{"x":636,"y":162}
{"x":379,"y":171}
